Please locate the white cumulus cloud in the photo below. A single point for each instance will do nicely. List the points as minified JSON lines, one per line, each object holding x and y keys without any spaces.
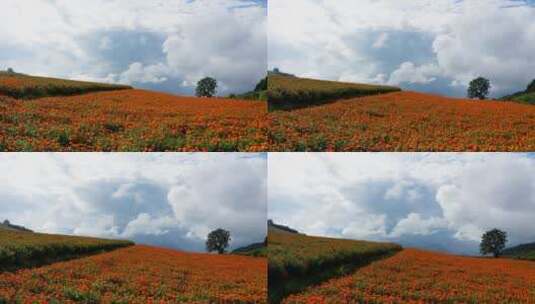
{"x":170,"y":200}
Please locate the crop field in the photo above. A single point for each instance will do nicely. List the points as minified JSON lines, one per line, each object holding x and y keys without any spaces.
{"x":417,"y":276}
{"x":22,"y":249}
{"x":141,"y":274}
{"x":132,"y":120}
{"x":294,"y":259}
{"x":26,"y":87}
{"x":286,"y":93}
{"x":405,"y":121}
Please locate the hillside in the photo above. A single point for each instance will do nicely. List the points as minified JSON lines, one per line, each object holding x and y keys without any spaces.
{"x":139,"y":275}
{"x":523,"y":251}
{"x":255,"y":249}
{"x":19,"y":249}
{"x":418,"y":276}
{"x":405,"y":121}
{"x":6,"y":225}
{"x":133,"y":121}
{"x":297,"y":261}
{"x":23,"y":86}
{"x":259,"y":93}
{"x":286,"y":93}
{"x":527,"y":96}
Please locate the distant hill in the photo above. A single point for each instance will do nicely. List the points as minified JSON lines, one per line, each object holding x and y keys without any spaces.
{"x":22,"y":86}
{"x":524,"y":252}
{"x":527,"y":96}
{"x":255,"y":249}
{"x":6,"y":225}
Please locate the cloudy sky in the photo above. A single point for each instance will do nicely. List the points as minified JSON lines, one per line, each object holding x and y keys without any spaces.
{"x":436,"y":201}
{"x":160,"y":44}
{"x":170,"y":200}
{"x":426,"y":45}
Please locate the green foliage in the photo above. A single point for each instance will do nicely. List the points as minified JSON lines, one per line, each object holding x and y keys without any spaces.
{"x":206,"y":87}
{"x":26,"y":249}
{"x":531,"y":87}
{"x":479,"y":88}
{"x":218,"y":240}
{"x":260,"y":95}
{"x":286,"y":93}
{"x":262,"y":85}
{"x":22,"y":86}
{"x":493,"y":241}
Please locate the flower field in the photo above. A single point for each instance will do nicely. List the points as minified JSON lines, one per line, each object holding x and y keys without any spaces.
{"x":286,"y":92}
{"x":25,"y":86}
{"x":297,"y":260}
{"x":405,"y":121}
{"x":141,"y":274}
{"x":416,"y":276}
{"x":132,"y":120}
{"x":23,"y":249}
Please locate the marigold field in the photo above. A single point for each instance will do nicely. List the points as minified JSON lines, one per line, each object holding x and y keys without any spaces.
{"x":141,"y":274}
{"x":417,"y":276}
{"x":132,"y":120}
{"x":297,"y":261}
{"x":405,"y":121}
{"x":21,"y":249}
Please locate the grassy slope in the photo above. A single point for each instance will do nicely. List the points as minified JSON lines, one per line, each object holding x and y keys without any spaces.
{"x":27,"y":249}
{"x":286,"y":93}
{"x":297,"y":261}
{"x":524,"y":252}
{"x":253,"y":95}
{"x":255,"y":250}
{"x":528,"y":98}
{"x":28,"y":87}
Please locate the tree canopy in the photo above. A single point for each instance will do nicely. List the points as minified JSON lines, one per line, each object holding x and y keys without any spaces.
{"x":218,"y":240}
{"x":493,"y":241}
{"x":206,"y":87}
{"x":479,"y":88}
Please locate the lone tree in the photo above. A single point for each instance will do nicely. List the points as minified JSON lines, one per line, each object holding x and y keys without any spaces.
{"x":206,"y":87}
{"x":218,"y":240}
{"x":493,"y":241}
{"x":479,"y":88}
